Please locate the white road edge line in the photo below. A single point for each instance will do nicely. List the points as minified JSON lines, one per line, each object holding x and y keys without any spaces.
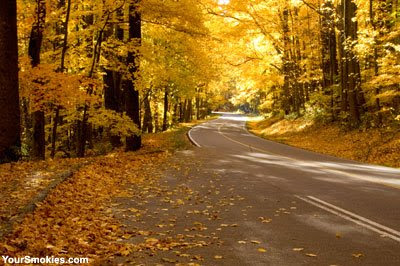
{"x":367,"y":224}
{"x":356,"y":216}
{"x":326,"y":169}
{"x":191,"y":138}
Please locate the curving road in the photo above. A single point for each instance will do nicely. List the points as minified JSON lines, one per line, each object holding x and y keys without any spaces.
{"x":345,"y":212}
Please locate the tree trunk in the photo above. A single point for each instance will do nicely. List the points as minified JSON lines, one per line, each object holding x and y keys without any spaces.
{"x":112,"y":98}
{"x":39,"y":144}
{"x":10,"y":142}
{"x":165,"y":114}
{"x":35,"y":44}
{"x":286,"y":63}
{"x":182,"y":111}
{"x":350,"y":72}
{"x":132,"y":95}
{"x":62,"y":68}
{"x":156,"y":118}
{"x":113,"y":81}
{"x":175,"y":116}
{"x":188,"y":111}
{"x":198,"y":104}
{"x":147,"y":117}
{"x":329,"y":54}
{"x":354,"y":80}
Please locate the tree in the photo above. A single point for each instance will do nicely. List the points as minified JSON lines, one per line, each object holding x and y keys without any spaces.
{"x":34,"y":49}
{"x":131,"y":93}
{"x":9,"y":97}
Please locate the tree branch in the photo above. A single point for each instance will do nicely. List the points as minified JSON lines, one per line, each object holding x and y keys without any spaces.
{"x":312,"y":7}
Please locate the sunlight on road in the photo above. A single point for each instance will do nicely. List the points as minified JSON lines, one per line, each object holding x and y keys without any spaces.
{"x":376,"y":174}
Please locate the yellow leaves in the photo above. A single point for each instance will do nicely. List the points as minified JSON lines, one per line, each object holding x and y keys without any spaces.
{"x":311,"y":255}
{"x":179,"y":202}
{"x":126,"y":236}
{"x":217,"y":257}
{"x":354,"y":144}
{"x":262,"y":250}
{"x":74,"y":218}
{"x":357,"y":255}
{"x":144,"y":233}
{"x":152,"y":241}
{"x":8,"y":247}
{"x":46,"y":87}
{"x":264,"y":220}
{"x":118,"y":124}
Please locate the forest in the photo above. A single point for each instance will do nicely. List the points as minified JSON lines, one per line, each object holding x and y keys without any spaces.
{"x":93,"y":75}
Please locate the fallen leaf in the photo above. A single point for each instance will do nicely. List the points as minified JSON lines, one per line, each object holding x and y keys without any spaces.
{"x":168,"y":260}
{"x":261,"y":250}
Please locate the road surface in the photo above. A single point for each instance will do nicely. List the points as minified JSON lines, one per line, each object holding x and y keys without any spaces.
{"x":344,"y":212}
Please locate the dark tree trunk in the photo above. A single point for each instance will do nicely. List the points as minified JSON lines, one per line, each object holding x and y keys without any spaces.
{"x":188,"y":111}
{"x":165,"y":114}
{"x":62,"y":68}
{"x":35,"y":44}
{"x":328,"y":39}
{"x":343,"y":73}
{"x":10,"y":142}
{"x":133,"y":143}
{"x":182,"y":111}
{"x":39,"y":144}
{"x":329,"y":55}
{"x":147,"y":118}
{"x":286,"y":62}
{"x":350,"y":75}
{"x":175,"y":116}
{"x":113,"y":82}
{"x":112,"y":98}
{"x":156,"y":118}
{"x":198,"y":104}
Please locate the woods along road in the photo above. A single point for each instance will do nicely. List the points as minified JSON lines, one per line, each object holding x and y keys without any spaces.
{"x":320,"y":210}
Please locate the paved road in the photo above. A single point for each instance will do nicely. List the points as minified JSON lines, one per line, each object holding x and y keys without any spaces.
{"x":346,"y":213}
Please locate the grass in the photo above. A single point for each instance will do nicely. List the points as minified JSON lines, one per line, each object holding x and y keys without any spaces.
{"x":172,"y":139}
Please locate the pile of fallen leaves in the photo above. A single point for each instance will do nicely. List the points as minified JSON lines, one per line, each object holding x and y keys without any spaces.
{"x":22,"y":183}
{"x":375,"y":146}
{"x":76,"y":218}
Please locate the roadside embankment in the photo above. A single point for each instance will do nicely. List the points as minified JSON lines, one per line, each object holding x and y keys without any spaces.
{"x":374,"y":146}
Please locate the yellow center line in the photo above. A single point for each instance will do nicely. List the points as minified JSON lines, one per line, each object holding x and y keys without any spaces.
{"x":295,"y":160}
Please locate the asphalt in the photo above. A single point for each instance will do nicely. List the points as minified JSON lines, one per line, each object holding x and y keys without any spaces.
{"x":342,"y":208}
{"x":237,"y":199}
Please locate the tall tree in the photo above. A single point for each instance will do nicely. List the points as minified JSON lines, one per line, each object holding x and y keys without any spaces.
{"x":35,"y":44}
{"x":330,"y":69}
{"x":131,"y":93}
{"x":113,"y":78}
{"x":62,"y":68}
{"x":350,"y":67}
{"x":9,"y":98}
